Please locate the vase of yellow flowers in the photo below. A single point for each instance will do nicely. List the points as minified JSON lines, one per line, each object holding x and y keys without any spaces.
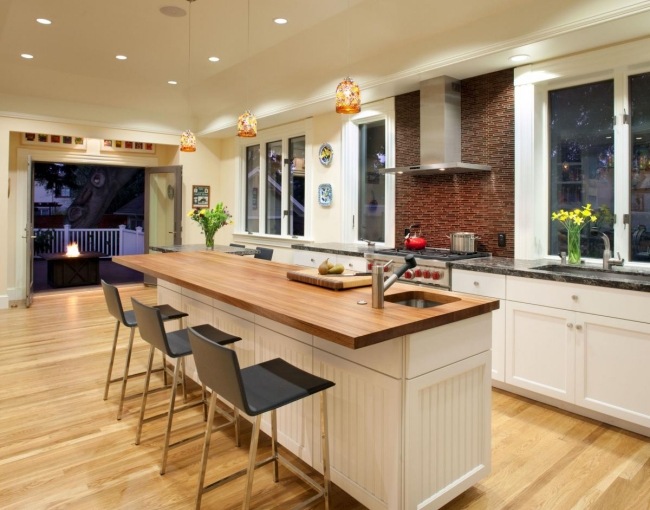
{"x":574,"y":221}
{"x":211,"y":220}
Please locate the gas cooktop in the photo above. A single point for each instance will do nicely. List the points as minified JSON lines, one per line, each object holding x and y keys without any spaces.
{"x":434,"y":254}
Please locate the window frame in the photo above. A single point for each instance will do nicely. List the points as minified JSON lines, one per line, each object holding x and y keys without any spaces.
{"x":381,"y":110}
{"x":282,"y":134}
{"x":532,"y":172}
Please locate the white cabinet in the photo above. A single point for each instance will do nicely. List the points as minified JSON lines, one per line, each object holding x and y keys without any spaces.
{"x":314,"y":259}
{"x":540,"y":349}
{"x":494,"y":286}
{"x":612,"y":373}
{"x":594,"y":361}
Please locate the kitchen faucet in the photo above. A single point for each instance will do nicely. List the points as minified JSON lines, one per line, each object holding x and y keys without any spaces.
{"x":608,"y":261}
{"x":378,"y":284}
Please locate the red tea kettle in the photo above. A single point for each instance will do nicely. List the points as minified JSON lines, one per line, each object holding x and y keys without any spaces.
{"x":413,"y":241}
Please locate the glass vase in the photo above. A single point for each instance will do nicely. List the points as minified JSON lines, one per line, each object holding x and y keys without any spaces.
{"x":573,"y":246}
{"x":209,"y":241}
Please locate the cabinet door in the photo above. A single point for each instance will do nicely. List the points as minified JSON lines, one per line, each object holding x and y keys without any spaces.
{"x":352,"y":263}
{"x":612,"y":373}
{"x":540,"y":350}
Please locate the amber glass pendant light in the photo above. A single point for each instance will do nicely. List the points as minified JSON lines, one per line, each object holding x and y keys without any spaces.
{"x":348,"y":97}
{"x":348,"y":94}
{"x":247,"y":122}
{"x":188,"y":140}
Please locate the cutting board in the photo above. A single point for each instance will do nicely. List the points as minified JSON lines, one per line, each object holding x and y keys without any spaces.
{"x":335,"y":282}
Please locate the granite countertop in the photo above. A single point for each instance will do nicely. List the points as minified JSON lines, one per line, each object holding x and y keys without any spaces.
{"x":627,"y":278}
{"x":351,"y":249}
{"x":188,"y":248}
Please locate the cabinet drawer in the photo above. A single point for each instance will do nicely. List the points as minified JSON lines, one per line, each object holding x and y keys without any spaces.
{"x":307,"y":258}
{"x":622,"y":304}
{"x":482,"y":284}
{"x":352,"y":263}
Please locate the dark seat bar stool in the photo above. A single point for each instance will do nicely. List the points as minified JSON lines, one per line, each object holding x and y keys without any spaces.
{"x":255,"y":390}
{"x":176,"y":345}
{"x":127,"y":318}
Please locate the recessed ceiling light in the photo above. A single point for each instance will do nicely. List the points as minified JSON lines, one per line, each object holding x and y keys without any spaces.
{"x":120,"y":57}
{"x":213,"y":59}
{"x":519,"y":58}
{"x":27,"y":56}
{"x":280,"y":21}
{"x":172,"y":82}
{"x":43,"y":21}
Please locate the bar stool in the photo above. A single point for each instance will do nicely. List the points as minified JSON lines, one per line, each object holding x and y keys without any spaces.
{"x":176,"y":345}
{"x":255,"y":390}
{"x":127,"y":318}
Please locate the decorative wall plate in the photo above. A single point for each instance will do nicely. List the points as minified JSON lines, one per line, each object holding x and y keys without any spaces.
{"x":325,"y":154}
{"x":325,"y":194}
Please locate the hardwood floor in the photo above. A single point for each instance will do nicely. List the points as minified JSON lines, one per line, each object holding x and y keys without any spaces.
{"x":61,"y":446}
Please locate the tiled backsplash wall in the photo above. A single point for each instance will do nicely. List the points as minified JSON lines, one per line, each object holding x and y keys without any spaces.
{"x":481,"y":203}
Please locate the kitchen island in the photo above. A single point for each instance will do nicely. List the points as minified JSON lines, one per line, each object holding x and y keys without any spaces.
{"x":410,"y":412}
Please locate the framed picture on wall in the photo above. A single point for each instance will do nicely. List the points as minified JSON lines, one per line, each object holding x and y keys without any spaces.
{"x":200,"y":197}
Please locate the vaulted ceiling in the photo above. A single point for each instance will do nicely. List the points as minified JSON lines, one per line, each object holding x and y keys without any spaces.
{"x":280,"y":72}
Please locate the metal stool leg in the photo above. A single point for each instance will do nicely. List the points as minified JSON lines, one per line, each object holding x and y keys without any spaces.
{"x":170,"y":415}
{"x":255,"y":435}
{"x":325,"y":447}
{"x":274,"y":445}
{"x":147,"y":377}
{"x":125,"y":378}
{"x":206,"y":448}
{"x":110,"y":365}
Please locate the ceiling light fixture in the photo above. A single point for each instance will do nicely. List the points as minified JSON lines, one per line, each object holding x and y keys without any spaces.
{"x":348,"y":94}
{"x":280,"y":21}
{"x":120,"y":57}
{"x":172,"y":82}
{"x":27,"y":56}
{"x":188,"y":140}
{"x":214,"y":59}
{"x":519,"y":58}
{"x":247,"y":122}
{"x":43,"y":21}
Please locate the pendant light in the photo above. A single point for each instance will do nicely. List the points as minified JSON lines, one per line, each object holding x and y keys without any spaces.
{"x":348,"y":94}
{"x":188,"y":140}
{"x":247,"y":123}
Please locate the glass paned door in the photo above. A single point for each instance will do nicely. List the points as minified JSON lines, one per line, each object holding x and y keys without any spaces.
{"x":297,"y":186}
{"x":639,"y":93}
{"x":581,"y":159}
{"x":274,"y":188}
{"x":372,"y":187}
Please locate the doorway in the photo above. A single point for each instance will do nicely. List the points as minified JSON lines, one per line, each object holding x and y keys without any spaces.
{"x":99,"y":208}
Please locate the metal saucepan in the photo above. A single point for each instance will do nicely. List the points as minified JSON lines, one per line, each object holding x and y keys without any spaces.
{"x":463,"y":242}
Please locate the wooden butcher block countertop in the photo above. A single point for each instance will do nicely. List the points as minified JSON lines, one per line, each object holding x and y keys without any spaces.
{"x":262,"y":287}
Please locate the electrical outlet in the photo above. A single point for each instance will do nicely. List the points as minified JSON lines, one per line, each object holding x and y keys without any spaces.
{"x":501,"y":238}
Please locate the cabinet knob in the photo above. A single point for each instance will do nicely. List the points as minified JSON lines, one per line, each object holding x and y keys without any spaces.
{"x":569,"y":325}
{"x":579,"y":327}
{"x":475,"y":284}
{"x":350,"y":265}
{"x":313,"y":260}
{"x":574,"y":297}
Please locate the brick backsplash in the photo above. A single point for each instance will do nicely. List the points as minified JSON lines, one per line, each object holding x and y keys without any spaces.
{"x":482,"y":203}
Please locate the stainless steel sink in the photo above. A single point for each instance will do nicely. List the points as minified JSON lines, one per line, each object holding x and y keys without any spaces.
{"x":593,"y":272}
{"x":419,"y":299}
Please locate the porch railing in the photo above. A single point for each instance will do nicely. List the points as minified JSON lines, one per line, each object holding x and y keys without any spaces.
{"x":109,"y":241}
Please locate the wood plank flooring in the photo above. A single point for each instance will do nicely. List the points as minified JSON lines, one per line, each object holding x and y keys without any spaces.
{"x":61,"y":446}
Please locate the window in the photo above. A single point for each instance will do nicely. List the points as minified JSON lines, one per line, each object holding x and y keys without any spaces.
{"x":565,"y":112}
{"x":372,"y":184}
{"x":581,"y":158}
{"x":639,"y":92}
{"x":275,"y":187}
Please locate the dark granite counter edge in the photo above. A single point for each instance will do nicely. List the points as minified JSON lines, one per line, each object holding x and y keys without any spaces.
{"x":351,"y":250}
{"x":525,"y":269}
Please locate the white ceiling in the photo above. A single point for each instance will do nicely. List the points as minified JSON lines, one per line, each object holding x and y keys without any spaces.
{"x":282,"y":73}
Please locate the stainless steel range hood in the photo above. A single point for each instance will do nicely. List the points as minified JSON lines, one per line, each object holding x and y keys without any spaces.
{"x":439,"y":131}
